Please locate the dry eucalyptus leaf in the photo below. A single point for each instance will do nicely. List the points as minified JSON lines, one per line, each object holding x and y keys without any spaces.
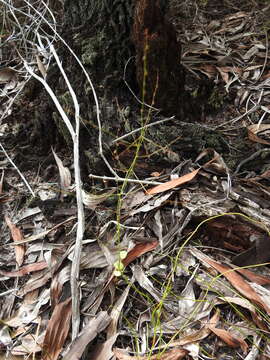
{"x":92,"y":200}
{"x":64,"y":173}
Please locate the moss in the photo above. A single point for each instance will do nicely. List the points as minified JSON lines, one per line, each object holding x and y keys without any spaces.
{"x":202,"y":3}
{"x":90,"y":49}
{"x":216,"y":99}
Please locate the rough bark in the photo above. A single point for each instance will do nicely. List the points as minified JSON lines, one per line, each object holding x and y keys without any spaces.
{"x":158,"y":56}
{"x":103,"y":36}
{"x":108,"y":35}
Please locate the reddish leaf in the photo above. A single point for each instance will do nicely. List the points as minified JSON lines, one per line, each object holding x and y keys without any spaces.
{"x":16,"y":236}
{"x":57,"y":330}
{"x":25,"y":269}
{"x":139,"y":250}
{"x":239,"y":283}
{"x":258,"y":279}
{"x":229,"y":339}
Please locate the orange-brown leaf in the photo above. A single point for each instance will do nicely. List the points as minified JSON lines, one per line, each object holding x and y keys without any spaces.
{"x":258,"y":279}
{"x":16,"y":236}
{"x":139,"y":250}
{"x":229,"y":339}
{"x":239,"y":283}
{"x":173,"y":183}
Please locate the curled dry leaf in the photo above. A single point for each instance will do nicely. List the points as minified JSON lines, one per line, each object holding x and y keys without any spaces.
{"x":257,"y":130}
{"x":64,"y":173}
{"x":92,"y":200}
{"x":6,"y":75}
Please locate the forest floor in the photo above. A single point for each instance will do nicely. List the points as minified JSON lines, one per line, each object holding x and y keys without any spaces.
{"x":175,"y":257}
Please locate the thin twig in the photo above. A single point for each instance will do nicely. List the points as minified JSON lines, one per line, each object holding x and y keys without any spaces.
{"x":75,"y":268}
{"x":80,"y":228}
{"x":18,"y":171}
{"x":132,"y":92}
{"x":117,"y":178}
{"x":142,"y":128}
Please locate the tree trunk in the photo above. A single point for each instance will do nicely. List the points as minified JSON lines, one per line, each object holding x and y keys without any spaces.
{"x":158,"y":58}
{"x":110,"y":36}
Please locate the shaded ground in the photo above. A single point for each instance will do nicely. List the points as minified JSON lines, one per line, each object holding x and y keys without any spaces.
{"x":174,"y":242}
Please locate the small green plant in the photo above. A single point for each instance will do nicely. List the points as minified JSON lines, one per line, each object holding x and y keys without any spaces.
{"x":118,"y":265}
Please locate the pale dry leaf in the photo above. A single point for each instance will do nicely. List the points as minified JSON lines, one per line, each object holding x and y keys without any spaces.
{"x":239,"y":301}
{"x":254,"y":352}
{"x":117,"y":311}
{"x":263,"y":292}
{"x":88,"y":333}
{"x":153,"y":203}
{"x":1,"y":182}
{"x":29,"y":345}
{"x":5,"y":337}
{"x":64,"y":173}
{"x":157,"y":228}
{"x":187,"y":300}
{"x":146,"y":283}
{"x":103,"y":351}
{"x":92,"y":200}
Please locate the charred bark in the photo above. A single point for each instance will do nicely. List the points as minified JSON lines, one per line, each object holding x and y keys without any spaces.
{"x":158,"y":57}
